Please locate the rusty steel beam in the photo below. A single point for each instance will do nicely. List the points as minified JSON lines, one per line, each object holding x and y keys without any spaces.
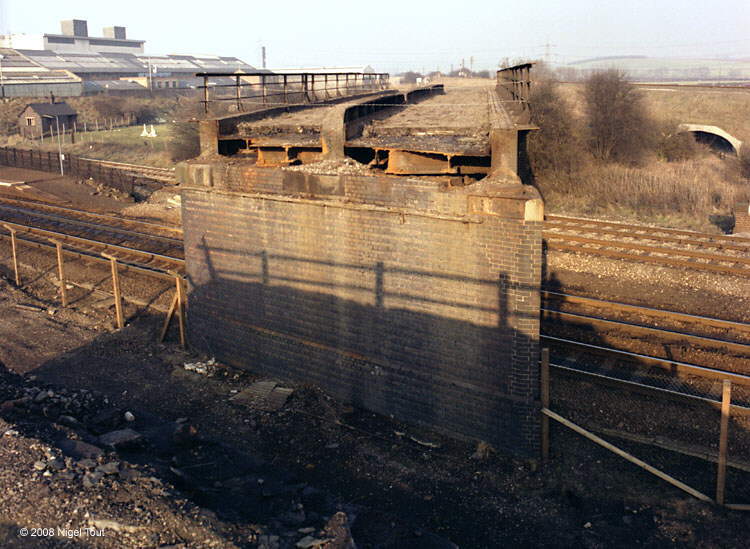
{"x":273,"y":157}
{"x":406,"y":163}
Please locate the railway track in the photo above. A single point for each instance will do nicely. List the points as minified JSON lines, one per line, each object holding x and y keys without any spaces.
{"x":165,"y":175}
{"x":668,"y":247}
{"x":645,"y":349}
{"x":91,"y":230}
{"x":568,"y":321}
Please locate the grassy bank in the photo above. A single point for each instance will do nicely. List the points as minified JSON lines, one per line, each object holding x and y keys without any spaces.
{"x":697,"y":194}
{"x":725,"y":108}
{"x":118,"y":145}
{"x":698,"y":189}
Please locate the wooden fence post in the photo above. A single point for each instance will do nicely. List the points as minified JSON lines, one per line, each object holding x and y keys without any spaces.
{"x":116,"y":290}
{"x":61,"y":272}
{"x":169,"y":316}
{"x":544,"y":378}
{"x":721,"y":473}
{"x":181,"y":309}
{"x":15,"y":256}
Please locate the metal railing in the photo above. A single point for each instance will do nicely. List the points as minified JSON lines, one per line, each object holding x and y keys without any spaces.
{"x":516,"y":81}
{"x":124,"y":180}
{"x":266,"y":88}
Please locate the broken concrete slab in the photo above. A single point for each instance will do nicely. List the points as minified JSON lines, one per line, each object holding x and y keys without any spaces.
{"x":122,"y":438}
{"x":78,"y":449}
{"x":263,"y":395}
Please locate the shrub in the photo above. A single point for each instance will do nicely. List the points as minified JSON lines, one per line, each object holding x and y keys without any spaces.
{"x":184,"y":142}
{"x":675,"y":146}
{"x":618,"y":122}
{"x":410,"y":77}
{"x":555,"y":146}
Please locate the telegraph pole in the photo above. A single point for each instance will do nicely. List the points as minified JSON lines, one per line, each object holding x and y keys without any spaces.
{"x":59,"y":145}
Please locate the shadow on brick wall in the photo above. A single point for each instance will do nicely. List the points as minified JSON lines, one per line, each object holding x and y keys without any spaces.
{"x":379,"y":337}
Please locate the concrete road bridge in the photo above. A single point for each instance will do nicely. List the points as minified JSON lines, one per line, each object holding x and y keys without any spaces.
{"x":713,"y":136}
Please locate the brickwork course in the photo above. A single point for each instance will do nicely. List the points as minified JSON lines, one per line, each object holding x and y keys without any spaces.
{"x":400,"y":295}
{"x":742,"y":218}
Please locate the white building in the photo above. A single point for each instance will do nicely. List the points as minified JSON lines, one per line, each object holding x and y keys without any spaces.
{"x":74,"y":38}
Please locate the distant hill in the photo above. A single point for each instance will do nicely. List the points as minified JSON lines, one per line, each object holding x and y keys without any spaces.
{"x":666,"y":69}
{"x":607,"y":58}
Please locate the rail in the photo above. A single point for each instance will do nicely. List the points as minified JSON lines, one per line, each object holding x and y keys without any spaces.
{"x":86,"y":217}
{"x":123,"y":179}
{"x":148,"y":261}
{"x":635,"y":367}
{"x":668,"y":247}
{"x":152,"y":172}
{"x":285,"y":89}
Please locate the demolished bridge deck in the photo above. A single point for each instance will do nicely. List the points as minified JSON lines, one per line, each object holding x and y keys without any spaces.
{"x":456,"y":122}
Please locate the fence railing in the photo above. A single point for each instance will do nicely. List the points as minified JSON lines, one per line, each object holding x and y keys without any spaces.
{"x":516,"y":81}
{"x":292,"y":88}
{"x":76,"y":130}
{"x":121,"y":179}
{"x":687,"y":410}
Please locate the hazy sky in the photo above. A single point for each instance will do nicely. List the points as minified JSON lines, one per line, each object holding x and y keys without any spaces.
{"x":400,"y":35}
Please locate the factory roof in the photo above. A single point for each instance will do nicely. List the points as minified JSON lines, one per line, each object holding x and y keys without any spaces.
{"x":130,"y":64}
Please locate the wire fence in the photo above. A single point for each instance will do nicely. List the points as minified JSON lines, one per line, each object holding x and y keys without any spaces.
{"x":76,"y":131}
{"x":125,"y":180}
{"x":670,"y":413}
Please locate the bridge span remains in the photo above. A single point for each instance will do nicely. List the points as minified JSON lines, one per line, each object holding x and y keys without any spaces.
{"x":380,"y":245}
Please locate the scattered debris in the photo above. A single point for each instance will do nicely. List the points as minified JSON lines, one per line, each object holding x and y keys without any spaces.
{"x":483,"y":451}
{"x":206,"y":368}
{"x":347,"y":166}
{"x":424,"y":443}
{"x":25,"y":307}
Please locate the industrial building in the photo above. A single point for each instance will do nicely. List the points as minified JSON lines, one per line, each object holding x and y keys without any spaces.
{"x":73,"y":63}
{"x":74,"y":38}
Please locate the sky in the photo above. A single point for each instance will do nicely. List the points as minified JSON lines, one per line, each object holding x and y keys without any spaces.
{"x":394,"y":36}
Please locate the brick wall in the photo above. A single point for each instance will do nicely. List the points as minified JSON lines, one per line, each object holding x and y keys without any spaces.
{"x":398,"y":295}
{"x":742,"y":218}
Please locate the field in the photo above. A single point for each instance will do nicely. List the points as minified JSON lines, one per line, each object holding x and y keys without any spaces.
{"x":687,"y":105}
{"x":118,"y":145}
{"x":699,"y":193}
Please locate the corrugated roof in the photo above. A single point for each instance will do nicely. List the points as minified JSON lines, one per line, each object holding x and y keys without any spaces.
{"x":19,"y":69}
{"x":128,"y":63}
{"x":103,"y":85}
{"x":52,"y":109}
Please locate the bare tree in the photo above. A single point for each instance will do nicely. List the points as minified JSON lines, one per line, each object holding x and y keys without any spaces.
{"x":554,"y":147}
{"x":619,"y":125}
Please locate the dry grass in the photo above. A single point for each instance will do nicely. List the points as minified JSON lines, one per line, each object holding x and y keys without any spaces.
{"x":117,"y":145}
{"x":725,"y":108}
{"x":697,"y":194}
